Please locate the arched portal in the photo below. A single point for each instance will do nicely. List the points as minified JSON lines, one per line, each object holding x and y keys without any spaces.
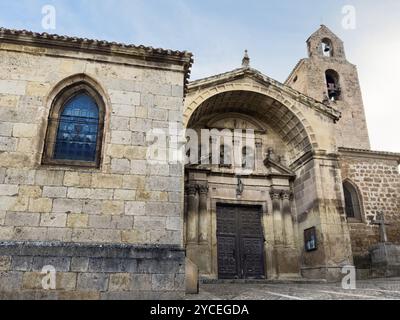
{"x":240,"y":223}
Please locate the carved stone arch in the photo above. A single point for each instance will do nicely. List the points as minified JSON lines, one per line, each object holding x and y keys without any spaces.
{"x":289,"y":120}
{"x":56,"y":100}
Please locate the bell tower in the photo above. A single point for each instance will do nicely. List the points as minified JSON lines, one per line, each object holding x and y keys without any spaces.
{"x":327,"y":76}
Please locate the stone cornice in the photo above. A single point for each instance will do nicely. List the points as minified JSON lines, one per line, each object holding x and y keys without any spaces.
{"x":361,"y":153}
{"x":29,"y":38}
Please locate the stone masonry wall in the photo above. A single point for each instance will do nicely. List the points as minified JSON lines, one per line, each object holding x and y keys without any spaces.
{"x":126,"y":200}
{"x":100,"y":228}
{"x":90,"y":272}
{"x":378,"y":181}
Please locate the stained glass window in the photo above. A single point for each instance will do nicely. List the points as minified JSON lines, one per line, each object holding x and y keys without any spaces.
{"x":78,"y":130}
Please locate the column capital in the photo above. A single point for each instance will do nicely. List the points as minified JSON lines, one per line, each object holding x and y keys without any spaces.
{"x":203,"y":189}
{"x":287,"y":195}
{"x":275,"y":194}
{"x":191,"y":189}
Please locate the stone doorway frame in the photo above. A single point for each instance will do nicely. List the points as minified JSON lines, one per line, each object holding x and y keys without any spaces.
{"x":214,"y":239}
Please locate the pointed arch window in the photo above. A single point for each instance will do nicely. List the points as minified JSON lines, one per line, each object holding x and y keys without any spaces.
{"x":352,"y":202}
{"x":75,"y":128}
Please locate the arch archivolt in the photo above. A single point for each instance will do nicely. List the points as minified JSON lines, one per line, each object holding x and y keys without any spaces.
{"x":289,"y":121}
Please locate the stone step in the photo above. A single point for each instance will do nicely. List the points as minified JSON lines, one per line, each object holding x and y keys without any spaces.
{"x":263,"y":281}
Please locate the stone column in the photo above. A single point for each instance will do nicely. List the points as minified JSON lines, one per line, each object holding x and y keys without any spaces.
{"x":277,"y":217}
{"x":192,"y":215}
{"x":204,"y":215}
{"x":287,"y":218}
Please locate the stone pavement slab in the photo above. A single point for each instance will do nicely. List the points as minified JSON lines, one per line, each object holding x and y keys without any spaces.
{"x":378,"y":289}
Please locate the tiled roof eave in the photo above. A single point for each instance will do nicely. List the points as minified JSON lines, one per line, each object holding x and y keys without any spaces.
{"x":25,"y":37}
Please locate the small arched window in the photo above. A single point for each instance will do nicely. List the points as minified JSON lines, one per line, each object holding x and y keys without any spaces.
{"x":333,"y":86}
{"x":352,"y":202}
{"x":327,"y":48}
{"x":75,"y":129}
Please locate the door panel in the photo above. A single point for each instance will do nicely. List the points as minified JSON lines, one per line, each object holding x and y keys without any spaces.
{"x":240,"y":242}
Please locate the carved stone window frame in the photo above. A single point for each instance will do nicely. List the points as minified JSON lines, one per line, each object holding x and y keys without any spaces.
{"x":56,"y":110}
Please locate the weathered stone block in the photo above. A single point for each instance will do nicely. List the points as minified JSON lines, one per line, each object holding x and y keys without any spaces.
{"x":158,"y":114}
{"x":57,"y":220}
{"x":138,"y":167}
{"x":122,"y":222}
{"x":162,"y":282}
{"x":22,"y":263}
{"x":5,"y":263}
{"x":13,"y":87}
{"x":93,"y":207}
{"x":24,"y":130}
{"x":140,"y":282}
{"x":79,"y":264}
{"x":134,"y":182}
{"x":19,"y":219}
{"x":120,"y":165}
{"x":100,"y":222}
{"x":163,"y":209}
{"x":135,"y":236}
{"x":67,"y":206}
{"x":121,"y":137}
{"x":54,"y":192}
{"x":135,"y":208}
{"x":174,"y":223}
{"x":10,"y":281}
{"x":6,"y":129}
{"x":19,"y":176}
{"x":107,"y":181}
{"x":8,"y":190}
{"x":30,"y":191}
{"x":120,"y":282}
{"x":49,"y":178}
{"x":150,"y":223}
{"x":127,"y":195}
{"x":77,"y":220}
{"x":120,"y":123}
{"x":6,"y":233}
{"x":40,"y":205}
{"x":113,"y":207}
{"x":140,"y":125}
{"x":61,"y":264}
{"x":93,"y":282}
{"x":59,"y":234}
{"x":159,"y":196}
{"x":77,"y":179}
{"x":125,"y":98}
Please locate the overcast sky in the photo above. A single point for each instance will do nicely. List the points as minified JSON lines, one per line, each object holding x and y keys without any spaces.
{"x":218,"y":31}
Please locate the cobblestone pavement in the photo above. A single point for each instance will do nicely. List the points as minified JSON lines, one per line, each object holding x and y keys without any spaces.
{"x":379,"y":289}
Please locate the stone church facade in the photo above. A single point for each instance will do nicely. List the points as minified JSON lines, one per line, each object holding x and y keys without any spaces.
{"x":78,"y":194}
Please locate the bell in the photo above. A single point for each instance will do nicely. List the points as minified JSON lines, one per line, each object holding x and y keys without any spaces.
{"x":327,"y":48}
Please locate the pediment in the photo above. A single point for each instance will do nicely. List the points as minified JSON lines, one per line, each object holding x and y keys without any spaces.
{"x":277,"y":168}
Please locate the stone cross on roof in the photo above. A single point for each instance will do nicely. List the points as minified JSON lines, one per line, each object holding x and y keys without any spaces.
{"x":380,"y":221}
{"x":246,"y":60}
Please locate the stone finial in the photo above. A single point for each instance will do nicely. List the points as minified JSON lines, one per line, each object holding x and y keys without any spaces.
{"x":246,"y":60}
